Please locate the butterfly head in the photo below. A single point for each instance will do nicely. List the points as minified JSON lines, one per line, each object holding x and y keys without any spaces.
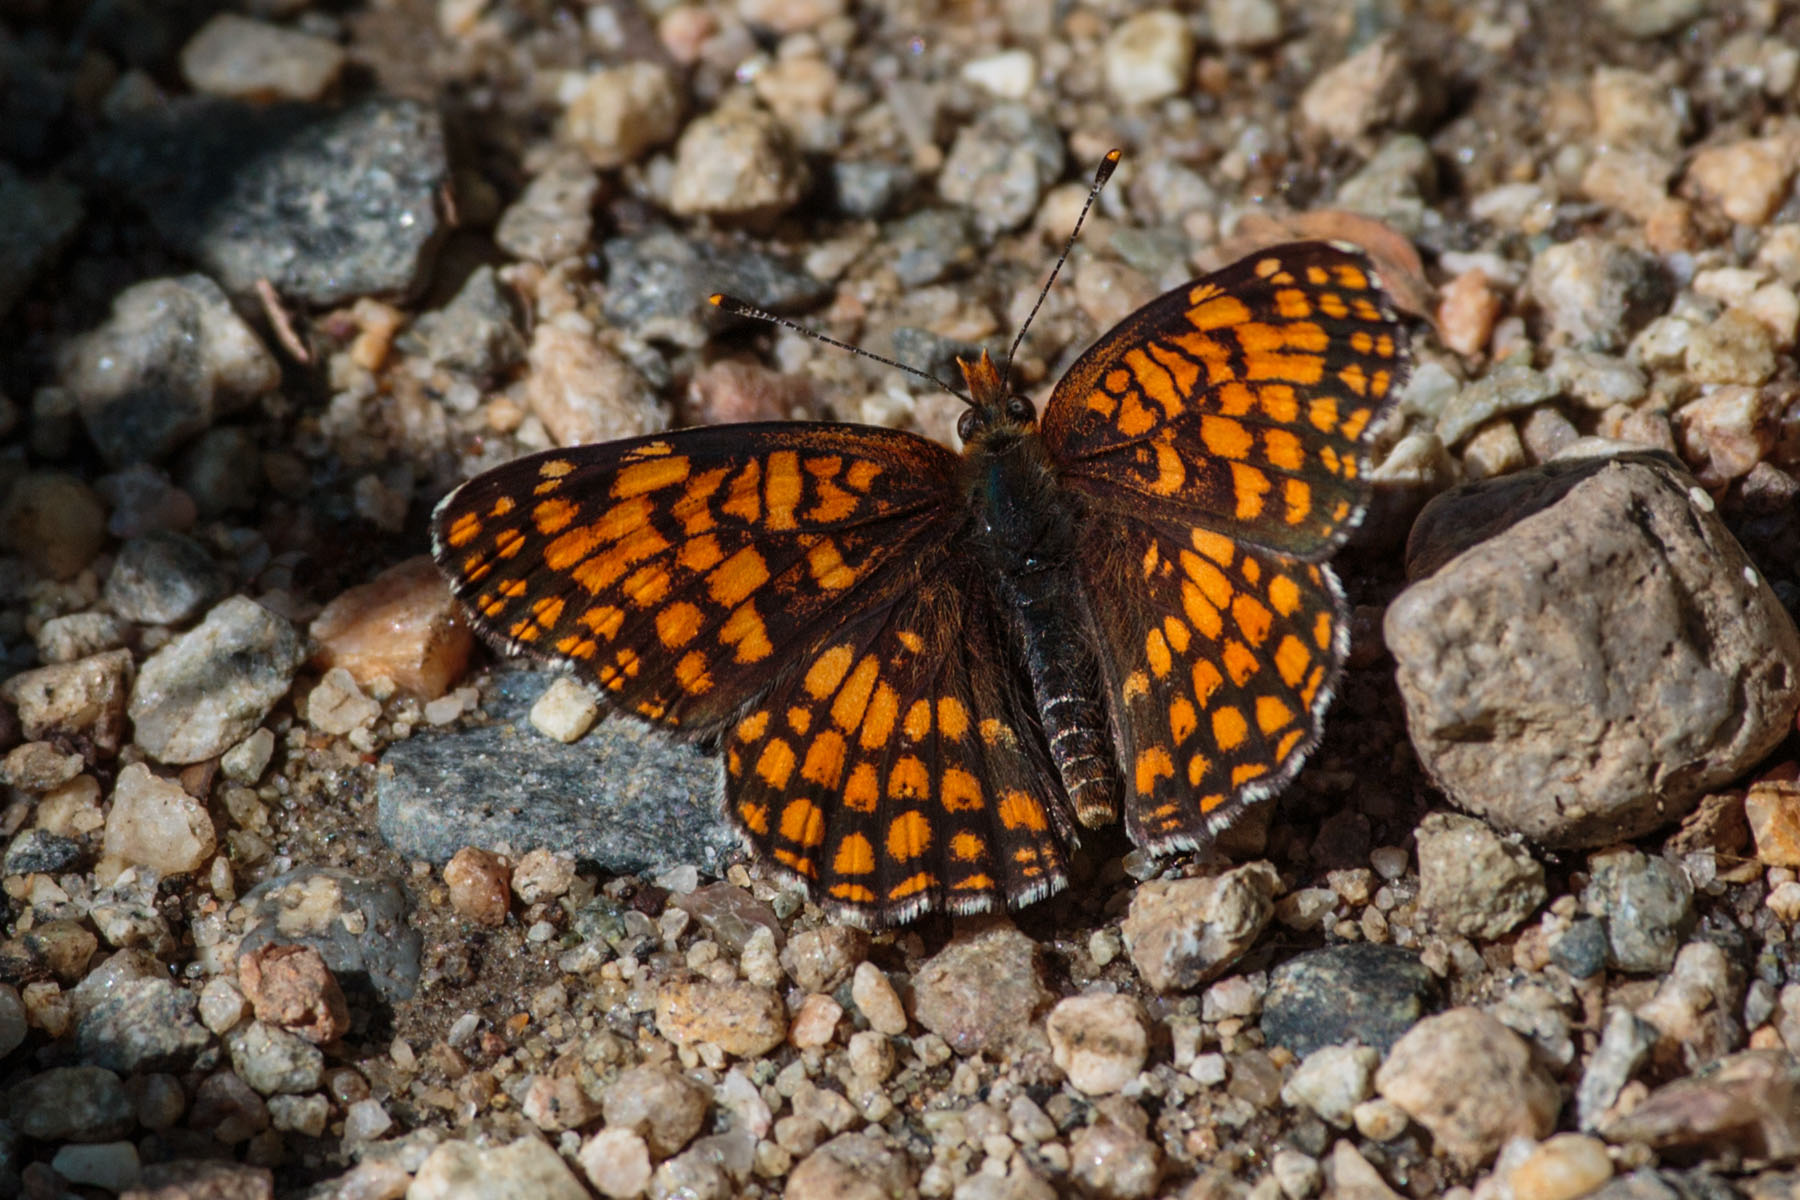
{"x":994,"y":409}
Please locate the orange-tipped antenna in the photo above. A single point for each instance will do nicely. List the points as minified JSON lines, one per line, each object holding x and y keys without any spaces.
{"x":738,"y":308}
{"x":1100,"y":177}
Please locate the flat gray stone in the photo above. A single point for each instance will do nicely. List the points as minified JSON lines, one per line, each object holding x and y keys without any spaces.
{"x":358,"y":926}
{"x":626,"y":798}
{"x":1587,"y":650}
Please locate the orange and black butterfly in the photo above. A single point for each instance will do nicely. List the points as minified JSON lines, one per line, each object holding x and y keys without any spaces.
{"x":928,"y":669}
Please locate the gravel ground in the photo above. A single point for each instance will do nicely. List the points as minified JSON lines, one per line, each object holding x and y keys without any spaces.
{"x":308,"y":895}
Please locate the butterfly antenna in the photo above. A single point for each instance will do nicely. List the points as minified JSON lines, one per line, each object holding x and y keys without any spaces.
{"x":1100,"y":177}
{"x":738,"y":308}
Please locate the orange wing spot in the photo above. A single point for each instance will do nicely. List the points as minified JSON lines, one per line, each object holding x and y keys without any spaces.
{"x":1183,"y":720}
{"x":1364,"y":309}
{"x":1272,"y":713}
{"x":1323,"y":632}
{"x":692,"y":510}
{"x":1136,"y":684}
{"x":1134,"y":420}
{"x":1291,"y":660}
{"x":861,"y":474}
{"x":1280,"y":403}
{"x":912,"y":641}
{"x":1217,"y":312}
{"x":649,"y":476}
{"x":1212,"y":581}
{"x":952,"y":718}
{"x":1214,"y":354}
{"x":1209,"y":803}
{"x":743,"y":499}
{"x":827,"y":671}
{"x":1152,"y":560}
{"x":554,"y":468}
{"x":824,"y":466}
{"x":1225,"y":438}
{"x":834,"y":503}
{"x":775,"y":765}
{"x":1207,"y":680}
{"x":1362,"y":342}
{"x":1156,"y":651}
{"x":908,"y":836}
{"x":1117,"y":380}
{"x":491,"y":607}
{"x":1292,"y":305}
{"x":879,"y":718}
{"x":782,"y":491}
{"x":547,"y":610}
{"x":700,"y":554}
{"x":512,"y":589}
{"x":1313,"y":683}
{"x":1297,"y":494}
{"x":1252,"y":617}
{"x":1197,"y":768}
{"x":908,"y":779}
{"x":1249,"y":485}
{"x":1284,"y":594}
{"x":1178,"y":633}
{"x":1355,"y":378}
{"x":677,"y":624}
{"x":1379,"y":383}
{"x":994,"y":733}
{"x":863,"y":790}
{"x":918,"y":721}
{"x":827,"y":565}
{"x":627,"y":668}
{"x":734,"y":580}
{"x":752,"y":727}
{"x":799,"y":864}
{"x":553,"y":516}
{"x":1155,"y":380}
{"x":647,"y":586}
{"x":1352,"y":276}
{"x":755,"y":817}
{"x":575,"y":646}
{"x":1354,"y":421}
{"x":744,"y":629}
{"x":979,"y":882}
{"x":852,"y":893}
{"x":508,"y":542}
{"x":463,"y":530}
{"x":1322,"y":413}
{"x":799,"y":719}
{"x":802,"y":821}
{"x":1100,"y":402}
{"x":1153,"y":764}
{"x":1184,"y":371}
{"x":1240,"y":661}
{"x":691,"y":674}
{"x":1317,"y":276}
{"x":1283,"y":450}
{"x":1019,"y":811}
{"x":967,"y":847}
{"x":1229,"y":728}
{"x":855,"y":856}
{"x":649,"y":450}
{"x":959,"y":791}
{"x":853,"y":698}
{"x":1171,"y":473}
{"x":1245,"y":772}
{"x":1215,"y":546}
{"x":1288,"y":741}
{"x":912,"y":885}
{"x":1332,"y":305}
{"x":1384,"y":346}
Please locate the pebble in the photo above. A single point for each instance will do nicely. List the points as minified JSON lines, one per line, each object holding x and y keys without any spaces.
{"x":1621,"y":729}
{"x":365,"y":1120}
{"x":290,"y":986}
{"x":1471,"y":1081}
{"x":616,"y":1162}
{"x":527,"y":1169}
{"x":876,"y":999}
{"x":871,"y":1055}
{"x":112,"y":1166}
{"x":1379,"y":87}
{"x":1098,"y":1040}
{"x":273,"y":1060}
{"x":1296,"y":1174}
{"x":71,"y":1104}
{"x":358,"y":924}
{"x":741,"y":1019}
{"x":730,"y":914}
{"x":1468,"y":306}
{"x":1113,"y":1160}
{"x":1747,"y":180}
{"x":13,"y":1023}
{"x":1472,"y":882}
{"x":38,"y":767}
{"x":1647,"y":904}
{"x":54,"y":522}
{"x":172,"y":357}
{"x":221,"y":1005}
{"x":1354,"y":1177}
{"x":480,"y":884}
{"x":585,"y":392}
{"x":221,"y":183}
{"x":43,"y":215}
{"x":658,"y":282}
{"x":1244,"y":24}
{"x":1697,"y":1007}
{"x":851,"y":1166}
{"x":1581,"y":949}
{"x":1149,"y":57}
{"x":1358,"y":991}
{"x":815,"y":1024}
{"x":253,"y":60}
{"x":246,"y":761}
{"x":736,"y":162}
{"x":299,"y":1114}
{"x":1595,"y":293}
{"x":565,"y":711}
{"x":733,"y":390}
{"x":209,"y":688}
{"x":85,"y":699}
{"x":1652,"y":18}
{"x":1181,"y":933}
{"x":623,"y":112}
{"x":1508,"y":388}
{"x":78,"y":635}
{"x":1735,"y":348}
{"x":555,"y":1103}
{"x":981,"y":992}
{"x":336,"y":706}
{"x":1565,"y":1167}
{"x":542,"y":875}
{"x":402,"y":626}
{"x":1000,"y":166}
{"x":1007,"y":75}
{"x":163,"y":578}
{"x":1332,"y":1081}
{"x":140,"y":1024}
{"x":1395,"y":186}
{"x":1772,"y":808}
{"x":155,"y":823}
{"x":1745,"y":1100}
{"x":1496,"y":449}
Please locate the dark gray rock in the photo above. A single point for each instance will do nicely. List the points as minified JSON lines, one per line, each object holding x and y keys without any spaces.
{"x":1587,"y":651}
{"x":42,"y":852}
{"x":1357,"y":992}
{"x":1000,"y":165}
{"x":660,"y":281}
{"x":358,"y":926}
{"x":163,"y":578}
{"x":929,"y":245}
{"x":1647,"y":905}
{"x":1594,"y":293}
{"x":476,"y":333}
{"x":326,"y":204}
{"x":1581,"y":950}
{"x":143,"y":1025}
{"x":74,"y":1104}
{"x":41,"y":216}
{"x":625,"y":798}
{"x":868,"y":188}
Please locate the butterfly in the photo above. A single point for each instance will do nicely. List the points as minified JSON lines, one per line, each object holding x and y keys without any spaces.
{"x":929,"y":671}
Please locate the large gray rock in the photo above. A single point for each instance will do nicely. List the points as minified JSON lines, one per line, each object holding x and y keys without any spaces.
{"x":1587,"y":650}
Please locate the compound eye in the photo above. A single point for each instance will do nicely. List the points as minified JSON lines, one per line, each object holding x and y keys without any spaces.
{"x":965,"y":425}
{"x":1019,"y":409}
